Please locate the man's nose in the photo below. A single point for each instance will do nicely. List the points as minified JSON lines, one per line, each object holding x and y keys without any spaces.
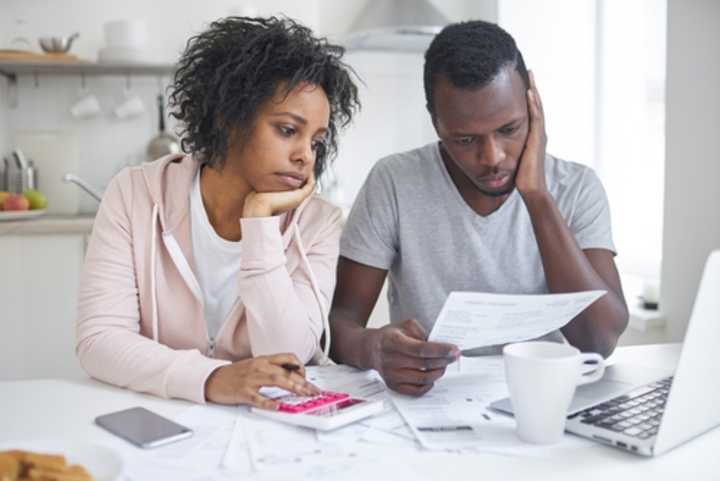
{"x":490,"y":151}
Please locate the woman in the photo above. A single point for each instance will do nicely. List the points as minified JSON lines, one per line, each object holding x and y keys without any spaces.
{"x":203,"y":267}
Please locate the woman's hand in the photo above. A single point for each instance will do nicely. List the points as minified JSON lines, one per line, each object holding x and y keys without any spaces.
{"x":266,"y":204}
{"x":239,"y":382}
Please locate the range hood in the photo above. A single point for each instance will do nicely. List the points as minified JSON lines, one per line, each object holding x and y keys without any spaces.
{"x":395,"y":26}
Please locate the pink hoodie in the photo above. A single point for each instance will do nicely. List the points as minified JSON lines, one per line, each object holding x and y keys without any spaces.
{"x":141,"y":322}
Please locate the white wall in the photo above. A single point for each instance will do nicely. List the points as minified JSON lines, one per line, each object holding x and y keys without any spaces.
{"x":564,"y":72}
{"x":108,"y":144}
{"x":692,"y":187}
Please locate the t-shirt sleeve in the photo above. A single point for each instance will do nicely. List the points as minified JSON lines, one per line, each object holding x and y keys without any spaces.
{"x":370,"y":235}
{"x":591,"y":218}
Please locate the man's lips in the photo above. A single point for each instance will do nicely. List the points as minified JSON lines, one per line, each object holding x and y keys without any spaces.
{"x":294,"y":180}
{"x":494,"y":180}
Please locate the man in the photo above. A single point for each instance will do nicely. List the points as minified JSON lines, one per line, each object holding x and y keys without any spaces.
{"x":484,"y":209}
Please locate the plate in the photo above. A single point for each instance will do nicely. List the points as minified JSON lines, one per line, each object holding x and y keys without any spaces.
{"x":20,"y":214}
{"x":102,"y":463}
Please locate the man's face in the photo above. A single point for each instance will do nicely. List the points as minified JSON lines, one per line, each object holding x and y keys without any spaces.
{"x":483,"y":131}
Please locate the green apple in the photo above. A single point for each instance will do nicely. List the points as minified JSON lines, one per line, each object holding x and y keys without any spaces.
{"x":36,"y":198}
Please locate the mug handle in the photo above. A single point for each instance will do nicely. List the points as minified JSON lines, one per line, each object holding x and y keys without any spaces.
{"x":591,"y":373}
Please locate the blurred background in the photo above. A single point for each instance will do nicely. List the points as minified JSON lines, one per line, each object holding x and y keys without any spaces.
{"x":629,"y":88}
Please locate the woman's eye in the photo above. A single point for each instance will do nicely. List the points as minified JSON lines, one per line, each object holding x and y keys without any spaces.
{"x":318,"y":145}
{"x":286,"y":131}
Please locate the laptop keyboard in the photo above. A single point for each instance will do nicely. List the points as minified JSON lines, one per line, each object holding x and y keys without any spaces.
{"x":635,"y":414}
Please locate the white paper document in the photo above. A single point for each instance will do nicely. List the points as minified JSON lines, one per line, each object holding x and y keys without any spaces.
{"x":474,"y":319}
{"x":454,"y":414}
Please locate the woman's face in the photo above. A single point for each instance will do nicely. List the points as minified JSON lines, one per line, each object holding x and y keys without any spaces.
{"x":279,"y":154}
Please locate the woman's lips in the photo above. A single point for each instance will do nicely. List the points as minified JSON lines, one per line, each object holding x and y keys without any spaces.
{"x":291,"y":179}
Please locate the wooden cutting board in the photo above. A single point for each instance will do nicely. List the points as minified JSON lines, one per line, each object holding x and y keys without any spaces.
{"x":28,"y":56}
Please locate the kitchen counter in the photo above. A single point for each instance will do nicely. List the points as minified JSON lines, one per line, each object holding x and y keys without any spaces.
{"x":49,"y":225}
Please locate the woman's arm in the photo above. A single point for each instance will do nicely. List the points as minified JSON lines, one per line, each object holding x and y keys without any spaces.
{"x":282,"y":312}
{"x":109,"y":344}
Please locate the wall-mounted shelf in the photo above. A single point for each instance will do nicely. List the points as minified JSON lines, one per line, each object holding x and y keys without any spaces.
{"x":12,"y":69}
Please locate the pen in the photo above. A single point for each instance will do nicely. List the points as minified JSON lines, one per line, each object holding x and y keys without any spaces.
{"x":288,"y":366}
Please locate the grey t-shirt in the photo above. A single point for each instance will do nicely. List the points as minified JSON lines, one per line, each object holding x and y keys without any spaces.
{"x":410,"y":218}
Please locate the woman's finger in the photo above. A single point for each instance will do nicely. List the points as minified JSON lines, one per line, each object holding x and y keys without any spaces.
{"x":276,"y":376}
{"x":258,"y":401}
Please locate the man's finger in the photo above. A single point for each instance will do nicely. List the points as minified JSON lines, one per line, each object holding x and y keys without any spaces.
{"x":396,"y":360}
{"x":413,"y":328}
{"x":414,"y":376}
{"x":413,"y":347}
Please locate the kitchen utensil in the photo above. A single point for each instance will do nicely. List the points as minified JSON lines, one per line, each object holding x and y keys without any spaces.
{"x":57,"y":44}
{"x":163,"y":143}
{"x":74,"y":179}
{"x":131,"y":106}
{"x":12,"y":174}
{"x":125,"y":33}
{"x":20,"y":160}
{"x":86,"y":107}
{"x":54,"y":153}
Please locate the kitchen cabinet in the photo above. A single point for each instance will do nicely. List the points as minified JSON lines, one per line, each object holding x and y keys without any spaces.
{"x":39,"y":282}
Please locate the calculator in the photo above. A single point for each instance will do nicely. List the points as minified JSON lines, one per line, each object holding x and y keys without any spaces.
{"x":325,"y":411}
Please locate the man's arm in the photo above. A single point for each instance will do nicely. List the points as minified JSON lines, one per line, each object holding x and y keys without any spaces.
{"x":567,"y":267}
{"x":356,"y":293}
{"x":399,"y":352}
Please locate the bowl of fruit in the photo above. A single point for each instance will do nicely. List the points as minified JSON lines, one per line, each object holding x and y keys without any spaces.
{"x":28,"y":205}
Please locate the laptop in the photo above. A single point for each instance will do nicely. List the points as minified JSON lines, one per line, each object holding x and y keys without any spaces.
{"x":648,"y":411}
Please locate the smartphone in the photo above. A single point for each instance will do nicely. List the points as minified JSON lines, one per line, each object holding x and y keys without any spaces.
{"x":143,"y":428}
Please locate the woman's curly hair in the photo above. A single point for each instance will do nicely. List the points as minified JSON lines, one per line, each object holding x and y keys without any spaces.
{"x":228,"y":71}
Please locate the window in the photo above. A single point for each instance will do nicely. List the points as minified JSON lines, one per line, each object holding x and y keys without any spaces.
{"x":600,"y":68}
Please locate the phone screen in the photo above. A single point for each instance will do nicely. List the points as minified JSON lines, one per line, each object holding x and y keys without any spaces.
{"x":142,"y":427}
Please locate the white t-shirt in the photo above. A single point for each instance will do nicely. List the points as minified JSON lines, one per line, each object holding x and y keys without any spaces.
{"x":217,"y":263}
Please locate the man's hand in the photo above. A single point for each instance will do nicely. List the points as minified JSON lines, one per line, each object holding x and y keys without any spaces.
{"x":530,"y":178}
{"x":408,"y":363}
{"x":266,"y":204}
{"x":239,"y":382}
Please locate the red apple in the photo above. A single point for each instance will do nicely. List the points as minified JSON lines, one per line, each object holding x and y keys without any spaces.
{"x":3,"y":196}
{"x":16,"y":202}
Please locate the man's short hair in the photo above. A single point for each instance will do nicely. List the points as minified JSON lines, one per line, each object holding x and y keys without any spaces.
{"x":470,"y":55}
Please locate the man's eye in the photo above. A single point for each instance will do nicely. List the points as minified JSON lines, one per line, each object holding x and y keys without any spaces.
{"x":467,"y":140}
{"x":507,"y":129}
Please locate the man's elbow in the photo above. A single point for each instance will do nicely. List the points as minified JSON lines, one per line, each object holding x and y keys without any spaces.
{"x":607,"y":339}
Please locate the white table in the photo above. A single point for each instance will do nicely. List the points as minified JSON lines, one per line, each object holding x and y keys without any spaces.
{"x":51,"y":408}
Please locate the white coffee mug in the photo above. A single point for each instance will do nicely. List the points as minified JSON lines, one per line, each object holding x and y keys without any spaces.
{"x":88,"y":106}
{"x":542,"y":377}
{"x":131,"y":106}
